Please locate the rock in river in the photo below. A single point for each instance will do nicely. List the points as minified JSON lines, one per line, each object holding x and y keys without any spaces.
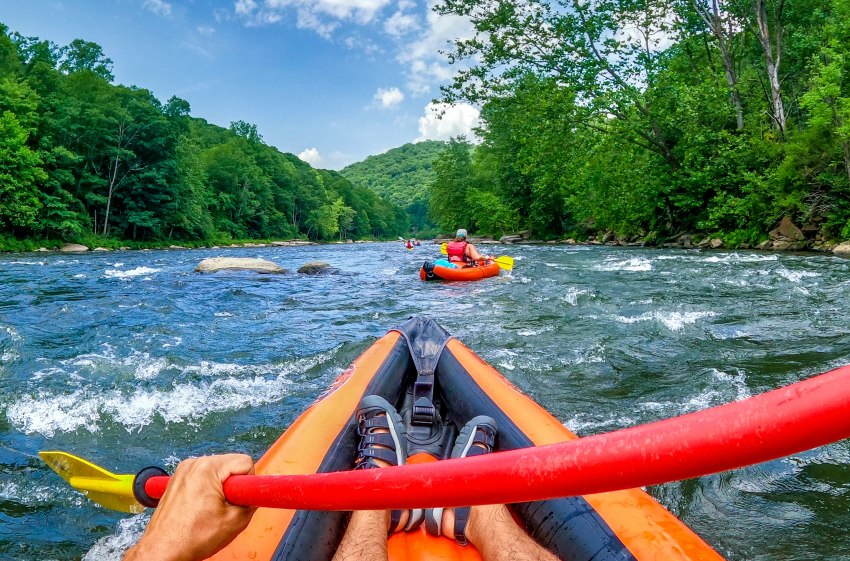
{"x":313,"y":267}
{"x":73,"y":247}
{"x":238,"y":264}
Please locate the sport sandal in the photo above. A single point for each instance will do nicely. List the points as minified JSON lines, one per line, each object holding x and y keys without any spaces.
{"x":374,"y":415}
{"x":477,"y":437}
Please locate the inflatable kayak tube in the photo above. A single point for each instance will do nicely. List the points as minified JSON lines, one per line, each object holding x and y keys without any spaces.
{"x":451,"y":385}
{"x":481,"y":270}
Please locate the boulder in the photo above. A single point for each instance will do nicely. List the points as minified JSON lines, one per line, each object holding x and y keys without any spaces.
{"x":766,"y":244}
{"x":214,"y":264}
{"x":42,"y":249}
{"x":176,"y":247}
{"x":101,"y":249}
{"x":781,"y":245}
{"x":842,"y":249}
{"x":787,"y":230}
{"x":609,"y":237}
{"x":313,"y":267}
{"x":510,"y":238}
{"x":570,"y":241}
{"x":73,"y":247}
{"x":716,"y":243}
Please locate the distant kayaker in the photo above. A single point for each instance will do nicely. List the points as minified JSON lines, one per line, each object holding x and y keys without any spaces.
{"x":461,"y":251}
{"x":193,"y":519}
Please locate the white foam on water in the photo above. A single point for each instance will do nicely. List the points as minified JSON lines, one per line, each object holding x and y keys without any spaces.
{"x":796,"y":276}
{"x":635,"y":264}
{"x":118,"y":265}
{"x":85,"y":409}
{"x":112,"y":548}
{"x":137,"y":272}
{"x":26,"y":493}
{"x":223,"y":315}
{"x":674,"y":321}
{"x":40,"y":263}
{"x":736,"y":258}
{"x":79,"y":276}
{"x":582,"y":422}
{"x":571,"y":297}
{"x":737,"y":381}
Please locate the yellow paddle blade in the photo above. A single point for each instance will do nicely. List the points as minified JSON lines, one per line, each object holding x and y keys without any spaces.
{"x":505,"y":262}
{"x":110,"y":490}
{"x":444,"y":248}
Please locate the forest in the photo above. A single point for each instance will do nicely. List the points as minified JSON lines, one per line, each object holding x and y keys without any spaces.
{"x":650,"y":118}
{"x":85,"y":160}
{"x":403,"y":176}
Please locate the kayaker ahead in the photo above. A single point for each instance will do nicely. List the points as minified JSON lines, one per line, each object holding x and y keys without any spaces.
{"x":461,"y":251}
{"x":193,"y":519}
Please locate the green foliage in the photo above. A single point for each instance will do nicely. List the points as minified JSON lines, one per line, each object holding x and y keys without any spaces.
{"x":402,"y":176}
{"x":82,"y":159}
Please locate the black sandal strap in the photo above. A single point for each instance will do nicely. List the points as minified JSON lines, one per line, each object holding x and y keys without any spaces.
{"x":461,"y":519}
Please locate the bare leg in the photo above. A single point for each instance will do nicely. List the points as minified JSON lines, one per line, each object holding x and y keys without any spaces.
{"x":498,"y":538}
{"x":366,"y":537}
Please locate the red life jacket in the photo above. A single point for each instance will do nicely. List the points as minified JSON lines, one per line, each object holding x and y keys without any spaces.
{"x":456,"y":251}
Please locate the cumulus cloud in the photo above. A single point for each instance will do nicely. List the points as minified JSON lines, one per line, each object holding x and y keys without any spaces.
{"x":400,"y":24}
{"x":159,"y":7}
{"x":426,"y":65}
{"x":388,"y":98}
{"x":311,"y":156}
{"x":443,"y":121}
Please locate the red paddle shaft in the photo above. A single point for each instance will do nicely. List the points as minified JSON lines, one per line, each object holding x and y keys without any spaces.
{"x":798,"y":417}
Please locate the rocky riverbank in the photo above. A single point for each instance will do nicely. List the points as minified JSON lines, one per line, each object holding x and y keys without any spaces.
{"x":785,"y":237}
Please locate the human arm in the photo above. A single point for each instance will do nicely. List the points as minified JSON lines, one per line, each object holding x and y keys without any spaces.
{"x":473,"y":254}
{"x":194,"y":520}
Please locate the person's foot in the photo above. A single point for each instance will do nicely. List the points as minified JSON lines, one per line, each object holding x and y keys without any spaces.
{"x":477,"y":437}
{"x":383,"y":443}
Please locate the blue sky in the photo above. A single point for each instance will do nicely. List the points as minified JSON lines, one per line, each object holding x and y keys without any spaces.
{"x":332,"y":81}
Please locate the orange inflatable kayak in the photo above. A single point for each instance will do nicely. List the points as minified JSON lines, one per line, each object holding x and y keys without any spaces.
{"x":450,"y":385}
{"x":483,"y":269}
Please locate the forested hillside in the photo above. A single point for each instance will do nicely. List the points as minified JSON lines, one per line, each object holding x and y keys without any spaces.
{"x":81,"y":157}
{"x":401,"y":175}
{"x":651,"y":118}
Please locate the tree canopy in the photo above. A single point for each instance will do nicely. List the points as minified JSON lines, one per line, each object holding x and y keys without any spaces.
{"x":652,"y":117}
{"x":81,"y":156}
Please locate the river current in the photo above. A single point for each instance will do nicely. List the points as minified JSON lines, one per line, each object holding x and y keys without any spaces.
{"x":131,"y":359}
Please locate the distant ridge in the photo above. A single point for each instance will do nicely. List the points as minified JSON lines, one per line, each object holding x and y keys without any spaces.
{"x":400,"y":175}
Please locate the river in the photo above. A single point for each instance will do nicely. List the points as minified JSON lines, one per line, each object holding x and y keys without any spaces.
{"x":132,"y":359}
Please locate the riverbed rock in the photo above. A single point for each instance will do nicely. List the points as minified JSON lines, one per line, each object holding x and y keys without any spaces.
{"x":102,"y":249}
{"x":73,"y":247}
{"x":42,"y":249}
{"x":214,"y":264}
{"x":510,"y":238}
{"x":842,"y":249}
{"x":716,"y":243}
{"x":781,"y":245}
{"x":313,"y":268}
{"x":788,"y":230}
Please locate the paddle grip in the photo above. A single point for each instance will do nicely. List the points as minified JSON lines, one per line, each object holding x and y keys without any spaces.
{"x":140,"y":483}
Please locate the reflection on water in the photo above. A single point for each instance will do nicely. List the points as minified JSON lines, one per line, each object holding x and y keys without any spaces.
{"x":132,"y":359}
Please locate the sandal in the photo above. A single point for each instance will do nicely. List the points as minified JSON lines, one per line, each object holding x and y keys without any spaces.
{"x":374,"y":414}
{"x":477,"y":437}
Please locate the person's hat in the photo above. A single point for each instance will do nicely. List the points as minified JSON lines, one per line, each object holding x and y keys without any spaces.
{"x":461,"y":233}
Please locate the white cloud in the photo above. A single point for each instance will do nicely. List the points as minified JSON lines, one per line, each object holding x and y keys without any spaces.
{"x":400,"y":24}
{"x":426,"y":64}
{"x":159,"y":7}
{"x":388,"y":98}
{"x":322,"y":16}
{"x":443,"y":121}
{"x":205,"y":30}
{"x":311,"y":156}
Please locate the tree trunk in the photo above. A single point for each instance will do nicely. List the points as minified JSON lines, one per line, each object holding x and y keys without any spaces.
{"x":772,"y":60}
{"x":712,"y":18}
